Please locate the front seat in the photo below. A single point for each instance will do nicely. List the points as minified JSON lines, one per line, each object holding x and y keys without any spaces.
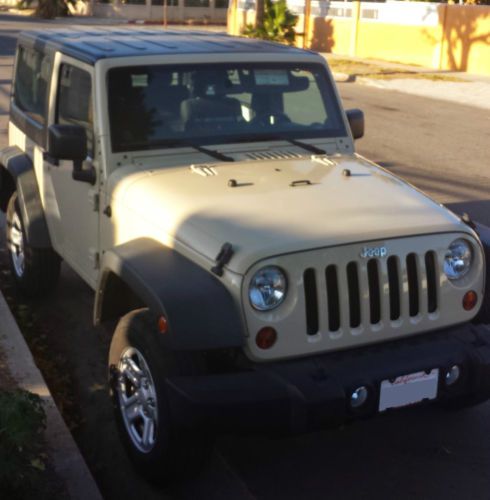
{"x":209,"y":109}
{"x":164,"y":98}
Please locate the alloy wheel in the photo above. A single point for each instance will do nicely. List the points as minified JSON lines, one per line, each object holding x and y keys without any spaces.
{"x":136,"y":393}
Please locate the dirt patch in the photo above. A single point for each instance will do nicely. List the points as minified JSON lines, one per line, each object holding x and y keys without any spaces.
{"x":26,"y":468}
{"x":377,"y":71}
{"x":6,"y":381}
{"x":52,"y":364}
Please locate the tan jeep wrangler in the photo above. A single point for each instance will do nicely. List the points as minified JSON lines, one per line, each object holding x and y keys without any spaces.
{"x":265,"y":277}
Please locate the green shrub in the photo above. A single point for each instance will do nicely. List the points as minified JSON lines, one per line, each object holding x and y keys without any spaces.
{"x":22,"y":420}
{"x":278,"y":26}
{"x":48,"y":9}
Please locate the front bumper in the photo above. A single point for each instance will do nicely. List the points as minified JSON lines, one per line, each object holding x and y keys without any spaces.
{"x":305,"y":394}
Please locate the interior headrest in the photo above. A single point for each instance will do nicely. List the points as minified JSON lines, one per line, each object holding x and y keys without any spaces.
{"x":209,"y":84}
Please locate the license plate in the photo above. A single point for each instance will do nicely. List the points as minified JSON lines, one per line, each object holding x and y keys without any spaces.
{"x":408,"y":389}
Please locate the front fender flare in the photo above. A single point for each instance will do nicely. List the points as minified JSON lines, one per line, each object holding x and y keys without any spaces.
{"x":483,"y":232}
{"x":200,"y":311}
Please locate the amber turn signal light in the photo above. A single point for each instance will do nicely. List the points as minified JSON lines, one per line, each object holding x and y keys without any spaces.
{"x":266,"y":337}
{"x":469,"y":300}
{"x":162,"y":324}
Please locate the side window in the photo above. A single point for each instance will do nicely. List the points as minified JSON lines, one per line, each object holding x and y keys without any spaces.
{"x":75,"y":101}
{"x":31,"y":83}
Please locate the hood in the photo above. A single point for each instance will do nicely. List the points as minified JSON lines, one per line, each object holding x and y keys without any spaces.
{"x":267,"y":208}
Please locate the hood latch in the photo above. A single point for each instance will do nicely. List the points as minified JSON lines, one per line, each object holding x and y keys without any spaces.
{"x":224,"y":256}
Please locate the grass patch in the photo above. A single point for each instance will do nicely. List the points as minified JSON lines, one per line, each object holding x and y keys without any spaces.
{"x":360,"y":68}
{"x":22,"y":461}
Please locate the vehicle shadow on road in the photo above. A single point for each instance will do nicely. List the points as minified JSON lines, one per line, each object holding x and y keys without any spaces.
{"x":460,"y":194}
{"x":415,"y":453}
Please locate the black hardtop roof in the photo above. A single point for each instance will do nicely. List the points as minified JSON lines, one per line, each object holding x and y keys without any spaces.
{"x":91,"y":44}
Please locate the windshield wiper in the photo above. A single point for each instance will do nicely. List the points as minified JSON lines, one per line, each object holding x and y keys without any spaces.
{"x":178,"y":143}
{"x":278,"y":137}
{"x":306,"y":146}
{"x":210,"y":152}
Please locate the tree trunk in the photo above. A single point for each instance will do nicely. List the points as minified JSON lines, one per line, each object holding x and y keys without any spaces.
{"x":259,"y":14}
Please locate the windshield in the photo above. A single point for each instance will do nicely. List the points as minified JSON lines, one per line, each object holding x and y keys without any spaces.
{"x":154,"y":107}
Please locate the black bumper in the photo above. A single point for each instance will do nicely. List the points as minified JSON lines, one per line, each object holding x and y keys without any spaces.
{"x":305,"y":394}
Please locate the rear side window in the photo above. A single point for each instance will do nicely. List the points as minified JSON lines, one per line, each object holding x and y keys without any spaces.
{"x":75,"y":101}
{"x":31,"y":83}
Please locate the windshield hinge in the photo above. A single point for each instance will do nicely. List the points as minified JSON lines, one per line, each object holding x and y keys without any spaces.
{"x":467,"y":220}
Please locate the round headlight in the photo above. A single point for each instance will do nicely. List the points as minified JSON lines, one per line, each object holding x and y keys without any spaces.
{"x":267,"y":288}
{"x":457,"y":261}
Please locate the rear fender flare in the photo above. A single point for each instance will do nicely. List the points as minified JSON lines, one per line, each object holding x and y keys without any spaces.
{"x":19,"y":166}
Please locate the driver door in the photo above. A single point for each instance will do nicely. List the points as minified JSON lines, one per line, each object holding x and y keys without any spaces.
{"x":72,"y":206}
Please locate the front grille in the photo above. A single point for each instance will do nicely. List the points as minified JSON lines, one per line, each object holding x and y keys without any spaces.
{"x":340,"y":299}
{"x":394,"y":288}
{"x":371,"y":292}
{"x":309,"y":281}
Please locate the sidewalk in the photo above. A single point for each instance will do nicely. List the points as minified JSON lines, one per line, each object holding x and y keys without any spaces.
{"x":453,"y":86}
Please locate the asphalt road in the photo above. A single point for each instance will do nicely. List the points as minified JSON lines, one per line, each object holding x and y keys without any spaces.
{"x":422,"y":453}
{"x":441,"y":147}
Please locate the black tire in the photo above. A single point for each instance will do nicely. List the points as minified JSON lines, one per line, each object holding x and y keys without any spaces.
{"x":40,"y":269}
{"x":173,"y":454}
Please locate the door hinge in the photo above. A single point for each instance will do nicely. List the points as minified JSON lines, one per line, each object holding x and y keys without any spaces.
{"x":94,"y":256}
{"x":95,"y":200}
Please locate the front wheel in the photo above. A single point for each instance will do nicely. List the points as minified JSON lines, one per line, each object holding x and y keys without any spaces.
{"x":138,"y":368}
{"x":35,"y":270}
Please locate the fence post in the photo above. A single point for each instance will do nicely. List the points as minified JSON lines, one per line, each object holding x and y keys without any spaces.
{"x":234,"y":17}
{"x":306,"y":27}
{"x":181,"y":7}
{"x":356,"y":14}
{"x":444,"y":42}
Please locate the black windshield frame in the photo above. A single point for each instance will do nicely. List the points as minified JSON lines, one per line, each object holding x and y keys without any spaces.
{"x":326,"y":87}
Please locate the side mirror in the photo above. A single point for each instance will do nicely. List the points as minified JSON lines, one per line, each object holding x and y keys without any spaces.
{"x":67,"y":142}
{"x":356,"y":122}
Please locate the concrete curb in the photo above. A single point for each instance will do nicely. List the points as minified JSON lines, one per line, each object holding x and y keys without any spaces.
{"x":67,"y":460}
{"x":343,"y":77}
{"x":370,"y":82}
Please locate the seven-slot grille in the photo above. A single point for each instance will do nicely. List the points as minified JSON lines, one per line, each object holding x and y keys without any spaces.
{"x":371,"y":292}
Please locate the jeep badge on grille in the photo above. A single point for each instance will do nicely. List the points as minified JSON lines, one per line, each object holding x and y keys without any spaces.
{"x":370,"y":252}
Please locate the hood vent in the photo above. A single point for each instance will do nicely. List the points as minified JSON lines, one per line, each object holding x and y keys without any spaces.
{"x":204,"y":170}
{"x":323,"y":160}
{"x":273,"y":155}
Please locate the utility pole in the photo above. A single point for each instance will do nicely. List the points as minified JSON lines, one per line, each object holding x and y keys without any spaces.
{"x":165,"y":14}
{"x":306,"y":26}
